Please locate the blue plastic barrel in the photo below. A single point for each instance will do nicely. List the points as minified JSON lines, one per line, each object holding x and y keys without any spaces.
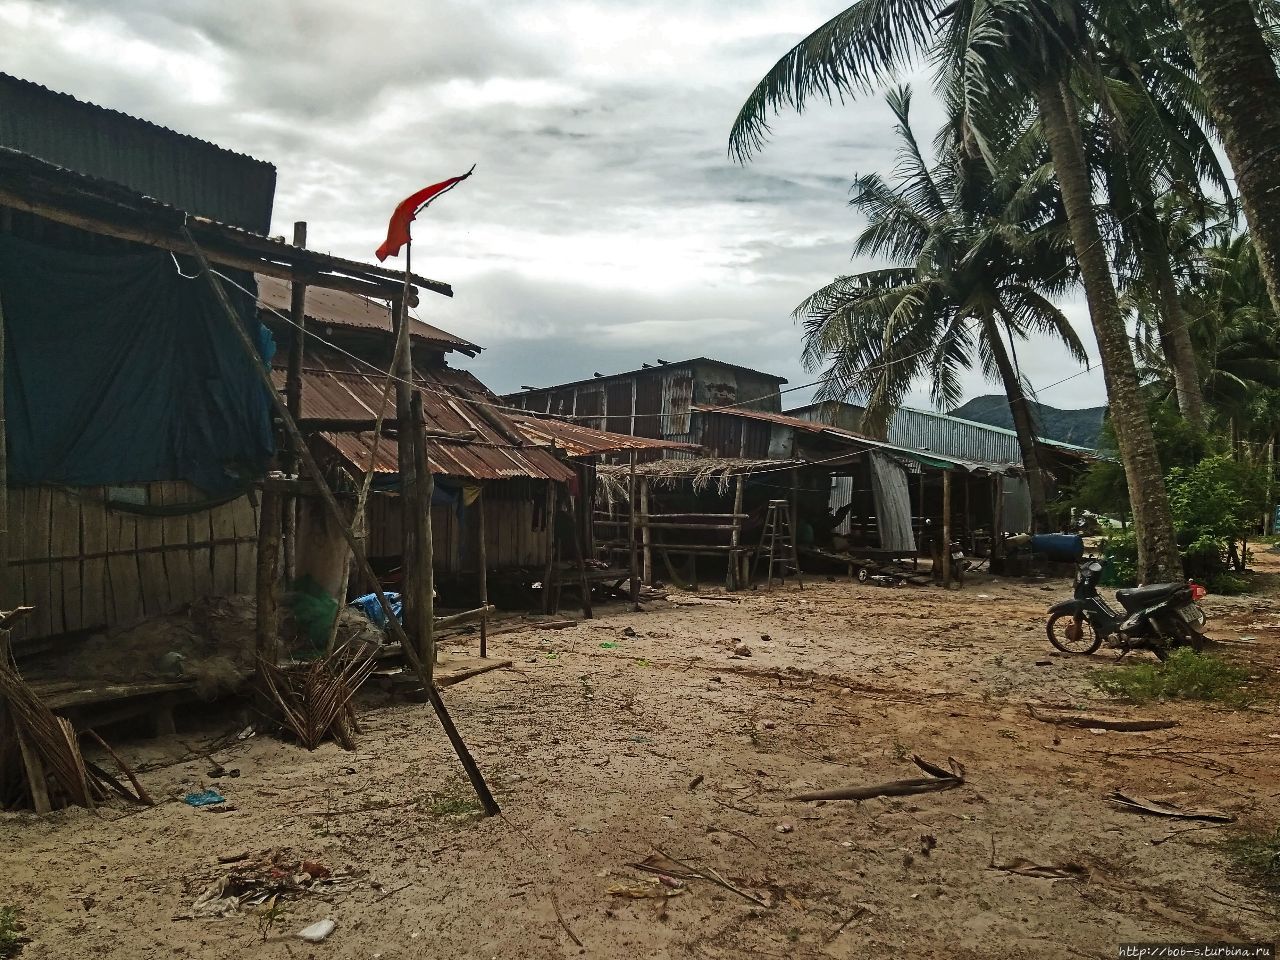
{"x":1060,"y":547}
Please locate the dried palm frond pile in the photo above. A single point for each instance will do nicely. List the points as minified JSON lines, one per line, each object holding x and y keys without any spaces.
{"x":41,"y":765}
{"x":314,"y":698}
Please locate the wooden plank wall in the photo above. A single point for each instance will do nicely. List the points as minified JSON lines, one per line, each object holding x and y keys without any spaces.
{"x":515,"y":528}
{"x":85,"y":566}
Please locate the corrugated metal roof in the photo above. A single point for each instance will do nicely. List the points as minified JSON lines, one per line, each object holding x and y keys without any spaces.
{"x":190,"y":173}
{"x":929,"y":458}
{"x":339,"y":309}
{"x":335,"y":387}
{"x":579,"y":441}
{"x":948,"y":435}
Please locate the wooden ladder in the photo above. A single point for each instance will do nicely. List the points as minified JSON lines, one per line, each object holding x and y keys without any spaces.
{"x":779,"y":541}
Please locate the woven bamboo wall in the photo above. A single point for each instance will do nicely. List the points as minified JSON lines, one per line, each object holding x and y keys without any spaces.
{"x":83,"y":565}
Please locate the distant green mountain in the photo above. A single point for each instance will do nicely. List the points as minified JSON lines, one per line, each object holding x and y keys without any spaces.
{"x":1081,"y":427}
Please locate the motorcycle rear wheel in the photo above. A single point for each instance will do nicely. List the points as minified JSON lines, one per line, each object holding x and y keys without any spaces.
{"x":1072,"y":633}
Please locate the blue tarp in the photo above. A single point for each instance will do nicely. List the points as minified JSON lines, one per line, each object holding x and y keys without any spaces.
{"x":371,"y":608}
{"x":119,"y":370}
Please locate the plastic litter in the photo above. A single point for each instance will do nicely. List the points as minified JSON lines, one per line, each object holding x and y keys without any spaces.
{"x":318,"y":932}
{"x":205,"y":798}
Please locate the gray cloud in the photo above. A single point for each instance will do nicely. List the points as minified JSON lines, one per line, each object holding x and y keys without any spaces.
{"x":605,"y":225}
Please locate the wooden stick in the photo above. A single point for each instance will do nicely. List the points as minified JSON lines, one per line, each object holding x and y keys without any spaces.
{"x":268,"y":608}
{"x":946,"y":529}
{"x":424,"y":492}
{"x":468,"y":616}
{"x":646,"y":533}
{"x":293,"y":397}
{"x":6,"y":599}
{"x":551,"y":547}
{"x":331,"y":503}
{"x":36,"y":780}
{"x":484,"y":575}
{"x":581,"y":564}
{"x":732,"y":580}
{"x":449,"y":679}
{"x":631,"y":535}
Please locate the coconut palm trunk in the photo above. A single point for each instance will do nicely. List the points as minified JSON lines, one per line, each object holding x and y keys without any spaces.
{"x":1024,"y":427}
{"x":1238,"y":76}
{"x":1158,"y":558}
{"x":1175,"y":337}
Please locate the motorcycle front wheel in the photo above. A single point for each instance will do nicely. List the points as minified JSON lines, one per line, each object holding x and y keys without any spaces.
{"x":1072,"y":633}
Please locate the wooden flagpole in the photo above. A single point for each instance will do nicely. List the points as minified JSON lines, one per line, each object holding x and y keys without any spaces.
{"x":357,"y":550}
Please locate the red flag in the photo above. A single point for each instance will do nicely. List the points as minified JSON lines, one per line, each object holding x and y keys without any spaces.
{"x":410,"y":207}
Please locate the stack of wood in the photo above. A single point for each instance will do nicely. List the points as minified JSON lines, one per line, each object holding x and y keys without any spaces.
{"x":314,"y":699}
{"x":41,"y":765}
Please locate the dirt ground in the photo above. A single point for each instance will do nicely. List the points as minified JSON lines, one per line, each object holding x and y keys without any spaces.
{"x":644,"y":731}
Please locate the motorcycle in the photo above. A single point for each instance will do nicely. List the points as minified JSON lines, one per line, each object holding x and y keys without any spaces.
{"x":1159,"y":617}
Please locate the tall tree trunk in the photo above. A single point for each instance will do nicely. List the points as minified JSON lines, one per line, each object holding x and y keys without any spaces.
{"x":1239,"y":80}
{"x":1158,"y":558}
{"x":1024,"y":426}
{"x":1175,"y":337}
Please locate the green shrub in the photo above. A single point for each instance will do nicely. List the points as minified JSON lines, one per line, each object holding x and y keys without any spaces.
{"x":1256,"y":856}
{"x":11,"y":938}
{"x":1228,"y":585}
{"x":1120,"y":561}
{"x":1186,"y":675}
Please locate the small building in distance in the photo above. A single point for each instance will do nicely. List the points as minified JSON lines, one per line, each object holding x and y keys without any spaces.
{"x":659,"y":401}
{"x":938,"y":433}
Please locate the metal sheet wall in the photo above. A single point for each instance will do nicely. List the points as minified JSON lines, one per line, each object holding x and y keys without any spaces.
{"x":183,"y":171}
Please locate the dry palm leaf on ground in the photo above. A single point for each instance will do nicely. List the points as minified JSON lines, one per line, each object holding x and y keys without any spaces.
{"x":314,"y":698}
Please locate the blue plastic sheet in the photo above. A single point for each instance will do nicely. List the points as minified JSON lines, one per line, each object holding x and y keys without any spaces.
{"x":371,"y":608}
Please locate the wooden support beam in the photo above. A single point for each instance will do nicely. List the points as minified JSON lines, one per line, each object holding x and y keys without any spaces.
{"x":424,"y":492}
{"x":484,"y":573}
{"x":633,"y":564}
{"x":480,"y":613}
{"x":268,"y":581}
{"x":293,"y":399}
{"x":646,"y":533}
{"x":946,"y":529}
{"x":228,"y":247}
{"x":580,"y":561}
{"x":551,"y":547}
{"x":250,"y":349}
{"x":733,"y":574}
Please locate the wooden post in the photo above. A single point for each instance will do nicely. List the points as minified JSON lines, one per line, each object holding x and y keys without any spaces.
{"x":576,"y":540}
{"x":646,"y":535}
{"x":484,"y":574}
{"x":795,"y":524}
{"x":946,"y":529}
{"x":335,"y":511}
{"x":424,"y":488}
{"x":632,"y":494}
{"x":5,"y":596}
{"x":733,"y":576}
{"x":268,"y":620}
{"x":293,"y":398}
{"x":997,"y":520}
{"x":551,"y":547}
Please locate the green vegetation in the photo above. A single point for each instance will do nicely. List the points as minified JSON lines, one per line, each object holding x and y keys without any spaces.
{"x":1081,"y":427}
{"x":1256,"y":857}
{"x":11,"y":927}
{"x":454,"y":806}
{"x":1186,"y":675}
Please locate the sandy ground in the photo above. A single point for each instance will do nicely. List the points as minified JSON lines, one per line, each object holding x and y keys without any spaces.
{"x":643,"y":731}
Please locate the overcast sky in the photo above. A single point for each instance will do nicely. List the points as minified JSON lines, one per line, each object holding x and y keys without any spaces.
{"x":605,"y":225}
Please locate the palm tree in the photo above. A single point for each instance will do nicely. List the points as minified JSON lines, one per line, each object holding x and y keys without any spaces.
{"x":999,"y":61}
{"x":1231,"y":41}
{"x":972,"y":262}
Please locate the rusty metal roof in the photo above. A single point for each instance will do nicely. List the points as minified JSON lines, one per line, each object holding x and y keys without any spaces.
{"x":659,"y":368}
{"x":339,"y":309}
{"x":337,"y":387}
{"x":579,"y":441}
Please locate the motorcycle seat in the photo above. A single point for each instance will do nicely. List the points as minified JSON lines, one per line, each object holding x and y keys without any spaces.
{"x":1149,"y":595}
